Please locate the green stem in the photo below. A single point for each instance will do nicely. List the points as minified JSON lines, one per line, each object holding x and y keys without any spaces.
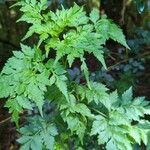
{"x":100,"y":113}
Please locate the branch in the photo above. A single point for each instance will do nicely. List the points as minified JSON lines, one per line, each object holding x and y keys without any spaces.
{"x":127,"y":59}
{"x":5,"y":120}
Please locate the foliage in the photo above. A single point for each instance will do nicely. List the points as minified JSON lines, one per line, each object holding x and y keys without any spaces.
{"x":32,"y":76}
{"x":38,"y":134}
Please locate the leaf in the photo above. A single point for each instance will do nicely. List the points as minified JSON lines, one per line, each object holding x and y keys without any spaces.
{"x":24,"y":102}
{"x":27,"y":80}
{"x":27,"y":50}
{"x":133,"y":108}
{"x":97,"y":93}
{"x":114,"y":97}
{"x":15,"y":109}
{"x":18,"y":54}
{"x":36,"y":95}
{"x":5,"y":89}
{"x":94,"y":15}
{"x":36,"y":143}
{"x":117,"y":128}
{"x":83,"y":110}
{"x":100,"y":57}
{"x":43,"y":37}
{"x":127,"y":95}
{"x":49,"y":141}
{"x":52,"y":79}
{"x":111,"y":145}
{"x":116,"y":34}
{"x":135,"y":133}
{"x":78,"y":39}
{"x":61,"y":84}
{"x":86,"y":72}
{"x":144,"y":136}
{"x":109,"y":30}
{"x":29,"y":33}
{"x":75,"y":125}
{"x":41,"y":135}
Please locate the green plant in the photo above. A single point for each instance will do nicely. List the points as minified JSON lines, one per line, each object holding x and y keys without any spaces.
{"x":32,"y":76}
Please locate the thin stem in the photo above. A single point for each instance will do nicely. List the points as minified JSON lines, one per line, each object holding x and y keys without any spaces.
{"x":100,"y":112}
{"x":5,"y":120}
{"x":125,"y":60}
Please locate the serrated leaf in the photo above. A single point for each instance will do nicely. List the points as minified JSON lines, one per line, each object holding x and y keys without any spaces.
{"x":127,"y":95}
{"x":36,"y":143}
{"x":37,"y":134}
{"x":24,"y":102}
{"x":75,"y":125}
{"x":135,"y":134}
{"x":29,"y":33}
{"x":18,"y":54}
{"x":15,"y":109}
{"x":86,"y":72}
{"x":61,"y":84}
{"x":94,"y":15}
{"x":109,"y":30}
{"x":27,"y":79}
{"x":83,"y":110}
{"x":100,"y":57}
{"x":36,"y":95}
{"x":43,"y":37}
{"x":49,"y":141}
{"x":144,"y":136}
{"x":116,"y":34}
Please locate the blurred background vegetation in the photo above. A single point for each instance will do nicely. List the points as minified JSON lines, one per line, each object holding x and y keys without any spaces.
{"x":125,"y":67}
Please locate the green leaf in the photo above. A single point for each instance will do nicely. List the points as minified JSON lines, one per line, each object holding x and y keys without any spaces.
{"x":114,"y":97}
{"x":86,"y":72}
{"x":38,"y":134}
{"x":133,"y":108}
{"x":36,"y":95}
{"x":75,"y":125}
{"x":49,"y":141}
{"x":83,"y":110}
{"x":116,"y":34}
{"x":18,"y":54}
{"x":97,"y":93}
{"x":24,"y":102}
{"x":113,"y":135}
{"x":100,"y":57}
{"x":15,"y":109}
{"x":127,"y":95}
{"x":36,"y":143}
{"x":61,"y":84}
{"x":110,"y":30}
{"x":94,"y":15}
{"x":27,"y":79}
{"x":135,"y":134}
{"x":43,"y":37}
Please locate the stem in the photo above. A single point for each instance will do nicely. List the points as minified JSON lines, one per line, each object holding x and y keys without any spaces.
{"x":100,"y":113}
{"x":5,"y":120}
{"x":125,"y":60}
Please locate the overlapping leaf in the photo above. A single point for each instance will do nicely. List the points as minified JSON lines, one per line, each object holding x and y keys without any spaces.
{"x":116,"y":129}
{"x":24,"y":78}
{"x":97,"y":93}
{"x":75,"y":115}
{"x":37,"y":135}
